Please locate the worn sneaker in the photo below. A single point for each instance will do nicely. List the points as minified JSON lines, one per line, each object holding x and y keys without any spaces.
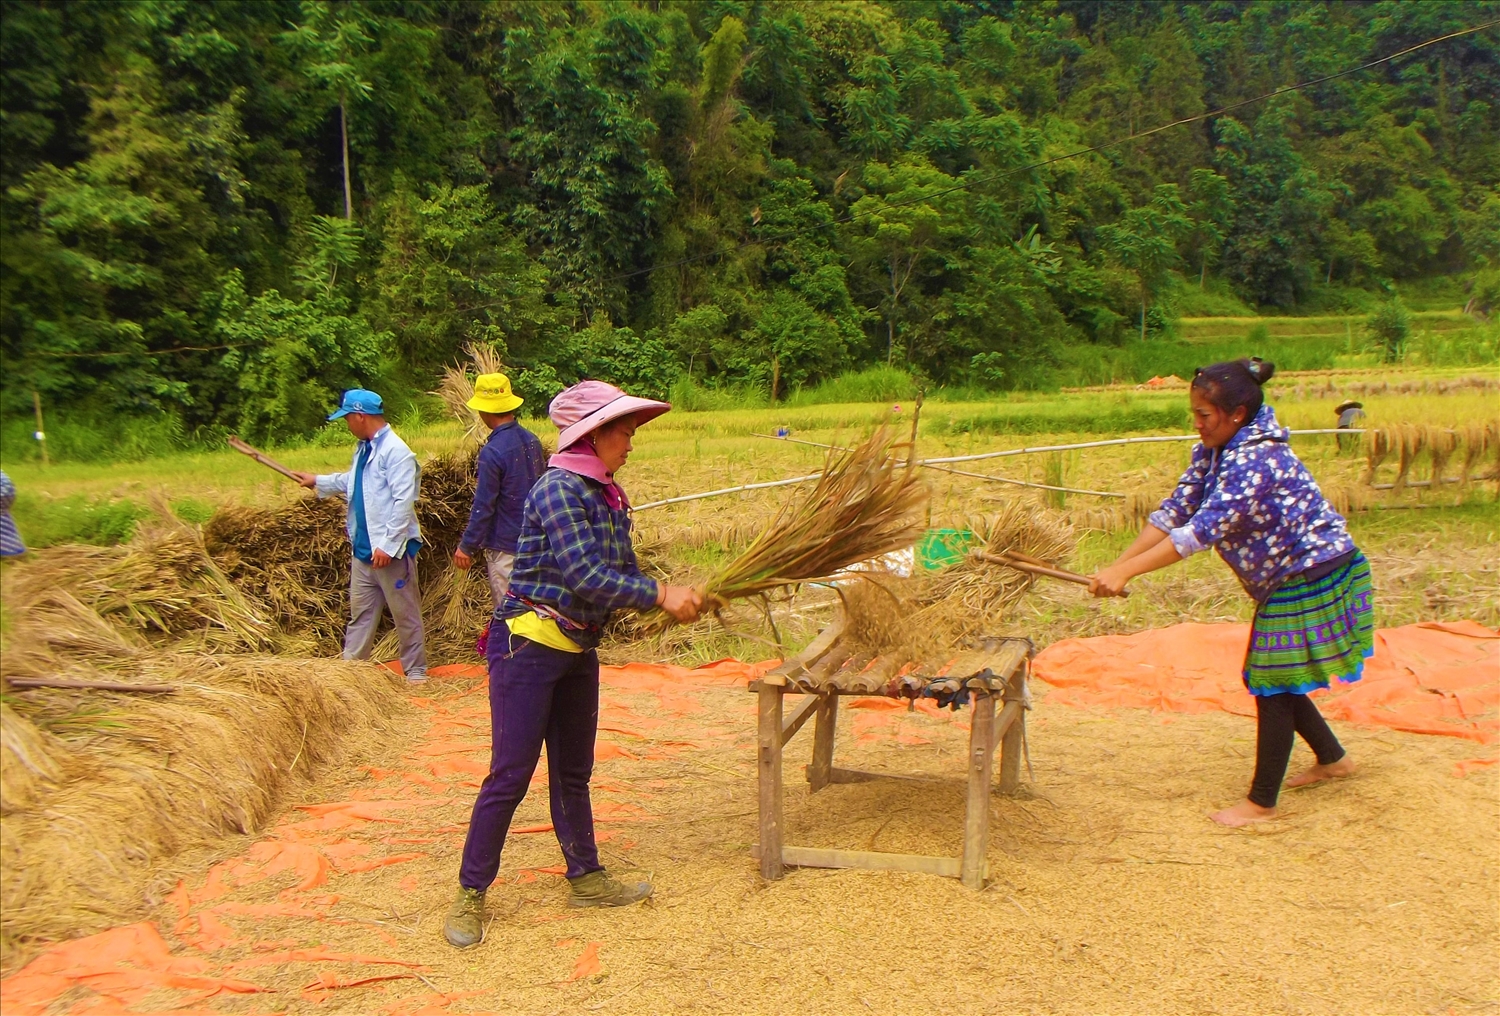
{"x":419,"y":677}
{"x":598,"y":889}
{"x":465,"y":924}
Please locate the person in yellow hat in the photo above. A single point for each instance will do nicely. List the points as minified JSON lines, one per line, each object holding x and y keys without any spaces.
{"x":509,"y":464}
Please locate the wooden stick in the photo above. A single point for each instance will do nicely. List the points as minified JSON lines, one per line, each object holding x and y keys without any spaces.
{"x":800,"y":715}
{"x":1020,"y":483}
{"x":869,"y":860}
{"x":262,"y":458}
{"x":60,"y":682}
{"x":819,"y":773}
{"x":1036,"y":569}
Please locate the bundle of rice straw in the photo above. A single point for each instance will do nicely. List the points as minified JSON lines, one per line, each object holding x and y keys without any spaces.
{"x":924,"y":618}
{"x":972,"y":595}
{"x":865,"y":505}
{"x":456,"y":388}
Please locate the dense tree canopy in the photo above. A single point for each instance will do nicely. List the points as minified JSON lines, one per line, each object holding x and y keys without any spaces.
{"x":225,"y":212}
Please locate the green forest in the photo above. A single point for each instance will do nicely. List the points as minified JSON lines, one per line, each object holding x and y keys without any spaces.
{"x":218,"y":215}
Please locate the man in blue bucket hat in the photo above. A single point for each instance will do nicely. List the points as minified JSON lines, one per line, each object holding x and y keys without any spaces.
{"x":381,"y":487}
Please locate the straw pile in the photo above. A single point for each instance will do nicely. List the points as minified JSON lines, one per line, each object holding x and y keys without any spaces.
{"x":98,"y":789}
{"x":163,"y":585}
{"x":295,"y":559}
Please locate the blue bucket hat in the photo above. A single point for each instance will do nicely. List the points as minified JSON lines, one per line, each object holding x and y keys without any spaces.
{"x":358,"y":400}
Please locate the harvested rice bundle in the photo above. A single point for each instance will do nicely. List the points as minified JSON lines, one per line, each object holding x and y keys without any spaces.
{"x":866,"y":504}
{"x":1411,"y":441}
{"x":1478,"y":438}
{"x":1377,"y":447}
{"x":971,"y":596}
{"x":456,"y":388}
{"x":1443,"y":441}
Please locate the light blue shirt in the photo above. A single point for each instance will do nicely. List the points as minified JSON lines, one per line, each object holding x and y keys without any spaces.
{"x":390,"y":483}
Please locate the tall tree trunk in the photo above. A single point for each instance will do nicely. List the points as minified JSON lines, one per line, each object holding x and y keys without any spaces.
{"x":1143,"y":319}
{"x":775,"y":375}
{"x":890,"y":321}
{"x":1202,"y":270}
{"x":1328,"y":281}
{"x":344,"y":134}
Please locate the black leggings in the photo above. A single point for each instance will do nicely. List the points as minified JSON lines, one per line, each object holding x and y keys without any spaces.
{"x":1279,"y":717}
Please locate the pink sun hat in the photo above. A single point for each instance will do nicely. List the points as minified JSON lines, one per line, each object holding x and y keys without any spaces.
{"x":589,"y":405}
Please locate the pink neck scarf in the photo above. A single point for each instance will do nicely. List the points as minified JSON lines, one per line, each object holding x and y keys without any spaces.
{"x":581,"y":458}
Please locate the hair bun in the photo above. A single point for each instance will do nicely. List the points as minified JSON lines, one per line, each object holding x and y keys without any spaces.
{"x":1261,"y":370}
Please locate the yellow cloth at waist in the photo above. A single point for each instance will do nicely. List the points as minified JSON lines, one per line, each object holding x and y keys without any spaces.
{"x":541,"y":630}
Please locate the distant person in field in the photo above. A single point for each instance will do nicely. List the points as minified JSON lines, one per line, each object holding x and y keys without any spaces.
{"x":574,"y":567}
{"x":1248,"y":496}
{"x":381,"y":487}
{"x":1351,"y":417}
{"x":10,"y":537}
{"x":509,"y":463}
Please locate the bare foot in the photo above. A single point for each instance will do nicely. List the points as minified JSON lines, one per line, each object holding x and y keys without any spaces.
{"x":1243,"y":814}
{"x":1317,"y":774}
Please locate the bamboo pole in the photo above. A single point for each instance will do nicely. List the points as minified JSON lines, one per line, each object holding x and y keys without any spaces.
{"x":60,"y":682}
{"x":928,"y":464}
{"x":1020,"y":483}
{"x":769,"y":484}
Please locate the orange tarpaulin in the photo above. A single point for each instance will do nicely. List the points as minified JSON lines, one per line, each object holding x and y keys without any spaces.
{"x":1428,"y":678}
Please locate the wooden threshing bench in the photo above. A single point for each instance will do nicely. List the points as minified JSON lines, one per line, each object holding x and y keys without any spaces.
{"x":821,"y":674}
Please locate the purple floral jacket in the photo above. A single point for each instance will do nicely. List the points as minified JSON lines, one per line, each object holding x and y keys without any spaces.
{"x":1258,"y":505}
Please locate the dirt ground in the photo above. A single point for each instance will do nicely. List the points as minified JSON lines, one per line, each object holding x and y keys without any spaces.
{"x":1110,"y":890}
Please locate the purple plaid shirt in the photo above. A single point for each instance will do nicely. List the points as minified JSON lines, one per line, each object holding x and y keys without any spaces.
{"x":574,"y":556}
{"x":1255,"y":502}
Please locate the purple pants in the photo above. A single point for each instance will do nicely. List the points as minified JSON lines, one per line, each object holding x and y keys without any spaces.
{"x":537,"y":695}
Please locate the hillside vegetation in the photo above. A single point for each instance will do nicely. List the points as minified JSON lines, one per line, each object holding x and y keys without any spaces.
{"x":218,"y":215}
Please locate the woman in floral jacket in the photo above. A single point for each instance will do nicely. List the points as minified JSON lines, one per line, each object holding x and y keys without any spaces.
{"x":1247,"y":495}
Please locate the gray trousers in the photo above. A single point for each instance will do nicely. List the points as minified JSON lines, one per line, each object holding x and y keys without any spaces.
{"x":394,"y":586}
{"x":498,"y":567}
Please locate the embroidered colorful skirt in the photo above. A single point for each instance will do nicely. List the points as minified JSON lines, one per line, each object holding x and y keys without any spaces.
{"x":1310,"y":633}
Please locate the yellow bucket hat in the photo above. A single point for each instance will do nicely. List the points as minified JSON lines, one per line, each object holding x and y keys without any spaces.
{"x":492,"y":394}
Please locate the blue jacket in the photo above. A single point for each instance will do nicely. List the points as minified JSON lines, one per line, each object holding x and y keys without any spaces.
{"x":390,"y":480}
{"x":1255,"y":502}
{"x":575,"y":562}
{"x":509,"y":464}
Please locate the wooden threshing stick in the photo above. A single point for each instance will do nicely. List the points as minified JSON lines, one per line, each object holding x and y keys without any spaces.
{"x":261,"y":457}
{"x":1021,"y":562}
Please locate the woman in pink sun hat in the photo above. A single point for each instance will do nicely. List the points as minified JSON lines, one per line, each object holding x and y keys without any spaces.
{"x":574,"y":567}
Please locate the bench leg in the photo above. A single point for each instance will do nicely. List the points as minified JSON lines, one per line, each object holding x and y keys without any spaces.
{"x":1011,"y":747}
{"x":977,"y":809}
{"x":826,"y":722}
{"x":769,"y":767}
